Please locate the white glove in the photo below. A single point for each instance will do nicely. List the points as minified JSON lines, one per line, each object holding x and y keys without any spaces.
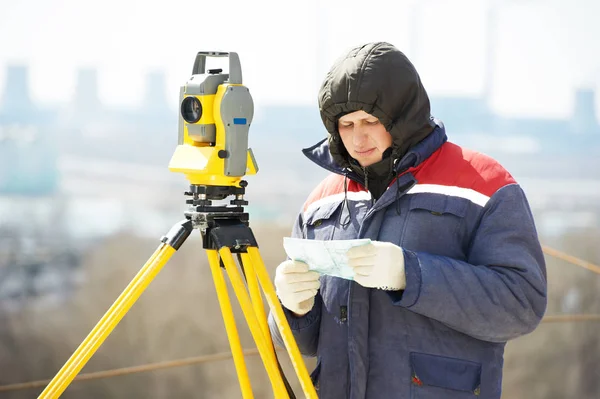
{"x":378,"y":265}
{"x":296,"y":286}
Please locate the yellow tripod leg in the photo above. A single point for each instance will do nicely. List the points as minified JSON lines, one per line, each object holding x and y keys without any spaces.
{"x":267,"y":356}
{"x":282,"y":324}
{"x":108,"y":322}
{"x":257,"y":303}
{"x":230,"y":327}
{"x":255,"y":295}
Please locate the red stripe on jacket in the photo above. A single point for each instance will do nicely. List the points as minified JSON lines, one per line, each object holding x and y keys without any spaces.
{"x":331,"y":185}
{"x":452,"y":165}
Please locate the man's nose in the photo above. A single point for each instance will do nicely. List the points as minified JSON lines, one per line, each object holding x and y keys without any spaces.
{"x":359,"y":137}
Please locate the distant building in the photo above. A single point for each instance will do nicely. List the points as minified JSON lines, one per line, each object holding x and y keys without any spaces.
{"x":154,"y":102}
{"x":16,"y":104}
{"x":584,"y":119}
{"x":27,"y":149}
{"x":86,"y":100}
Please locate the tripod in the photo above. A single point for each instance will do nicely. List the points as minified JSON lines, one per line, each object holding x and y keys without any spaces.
{"x":225,"y":230}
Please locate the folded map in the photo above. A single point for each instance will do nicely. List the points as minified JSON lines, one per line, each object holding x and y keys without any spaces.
{"x":324,"y":257}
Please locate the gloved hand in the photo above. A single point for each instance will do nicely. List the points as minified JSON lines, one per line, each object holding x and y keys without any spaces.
{"x":296,"y":286}
{"x":378,"y":265}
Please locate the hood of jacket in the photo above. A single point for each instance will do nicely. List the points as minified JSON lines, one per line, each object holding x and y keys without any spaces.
{"x":380,"y":80}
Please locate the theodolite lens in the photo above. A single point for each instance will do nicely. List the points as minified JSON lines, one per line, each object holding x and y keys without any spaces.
{"x":191,"y":109}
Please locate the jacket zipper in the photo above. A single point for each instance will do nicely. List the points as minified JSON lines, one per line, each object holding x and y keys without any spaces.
{"x":367,"y":184}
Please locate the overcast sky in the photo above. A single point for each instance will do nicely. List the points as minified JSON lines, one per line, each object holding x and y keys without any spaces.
{"x":543,"y":49}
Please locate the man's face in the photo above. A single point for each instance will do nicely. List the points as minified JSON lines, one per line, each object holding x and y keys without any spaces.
{"x":364,"y":137}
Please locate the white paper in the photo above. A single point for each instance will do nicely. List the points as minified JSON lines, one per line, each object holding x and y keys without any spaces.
{"x":324,"y":257}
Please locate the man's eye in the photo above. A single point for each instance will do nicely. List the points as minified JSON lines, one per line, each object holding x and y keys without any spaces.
{"x":375,"y":122}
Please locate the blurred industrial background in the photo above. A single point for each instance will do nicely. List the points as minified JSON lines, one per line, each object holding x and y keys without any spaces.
{"x":88,"y":123}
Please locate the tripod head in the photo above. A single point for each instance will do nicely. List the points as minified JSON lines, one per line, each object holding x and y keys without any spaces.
{"x":216,"y":111}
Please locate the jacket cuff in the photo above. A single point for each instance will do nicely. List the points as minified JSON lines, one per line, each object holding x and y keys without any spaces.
{"x":410,"y":295}
{"x":300,"y":323}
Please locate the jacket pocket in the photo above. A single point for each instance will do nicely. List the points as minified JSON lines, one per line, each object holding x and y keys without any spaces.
{"x":444,"y":377}
{"x":334,"y":293}
{"x":435,"y":223}
{"x":319,"y":222}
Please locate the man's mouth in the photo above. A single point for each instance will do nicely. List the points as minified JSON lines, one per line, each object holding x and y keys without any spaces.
{"x":364,"y":153}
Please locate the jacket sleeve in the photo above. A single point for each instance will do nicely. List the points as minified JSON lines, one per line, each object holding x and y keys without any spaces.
{"x":306,"y":328}
{"x":499,"y":293}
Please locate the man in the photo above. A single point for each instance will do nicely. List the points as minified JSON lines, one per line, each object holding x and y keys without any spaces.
{"x":454,"y":270}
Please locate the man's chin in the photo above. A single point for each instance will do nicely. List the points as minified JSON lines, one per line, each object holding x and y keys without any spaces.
{"x":365,"y":163}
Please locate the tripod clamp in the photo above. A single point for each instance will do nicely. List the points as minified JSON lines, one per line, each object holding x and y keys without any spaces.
{"x":220,"y":225}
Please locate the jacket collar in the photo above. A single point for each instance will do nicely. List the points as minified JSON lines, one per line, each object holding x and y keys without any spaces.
{"x":319,"y":154}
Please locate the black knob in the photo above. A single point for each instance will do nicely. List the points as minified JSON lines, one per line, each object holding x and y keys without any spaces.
{"x":222,"y":154}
